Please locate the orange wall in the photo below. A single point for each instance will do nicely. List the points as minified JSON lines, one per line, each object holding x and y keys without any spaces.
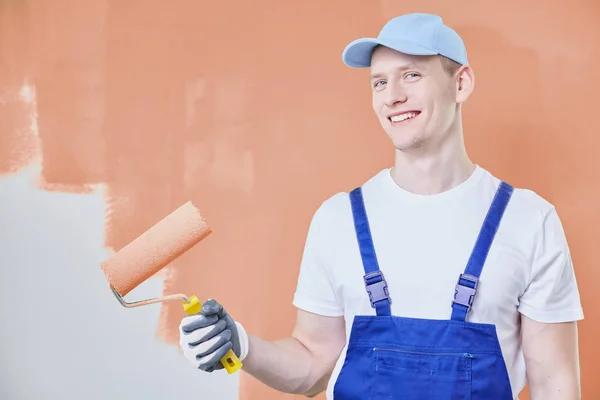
{"x":247,"y":109}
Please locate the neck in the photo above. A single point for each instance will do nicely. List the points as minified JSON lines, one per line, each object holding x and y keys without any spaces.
{"x":431,"y":171}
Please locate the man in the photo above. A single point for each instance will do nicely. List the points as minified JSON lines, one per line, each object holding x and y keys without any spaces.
{"x":432,"y":280}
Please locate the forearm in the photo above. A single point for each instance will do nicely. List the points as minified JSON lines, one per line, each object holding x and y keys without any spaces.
{"x":556,"y":386}
{"x":552,"y":359}
{"x":285,"y":365}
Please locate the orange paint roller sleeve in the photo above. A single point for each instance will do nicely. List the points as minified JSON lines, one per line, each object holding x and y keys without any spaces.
{"x":155,"y":248}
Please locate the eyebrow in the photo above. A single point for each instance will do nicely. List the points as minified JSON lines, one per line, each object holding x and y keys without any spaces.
{"x":402,"y":68}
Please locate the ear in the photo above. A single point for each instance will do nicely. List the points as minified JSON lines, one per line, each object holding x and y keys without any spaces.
{"x":465,"y":83}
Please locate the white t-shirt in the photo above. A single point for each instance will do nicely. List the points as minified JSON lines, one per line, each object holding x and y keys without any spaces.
{"x":423,"y":243}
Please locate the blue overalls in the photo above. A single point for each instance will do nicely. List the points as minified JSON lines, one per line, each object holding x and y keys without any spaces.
{"x":390,"y":357}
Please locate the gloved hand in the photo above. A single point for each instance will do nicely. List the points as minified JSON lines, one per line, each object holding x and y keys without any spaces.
{"x":207,"y":336}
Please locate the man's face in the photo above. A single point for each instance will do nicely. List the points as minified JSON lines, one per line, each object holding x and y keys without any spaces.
{"x":415,"y":99}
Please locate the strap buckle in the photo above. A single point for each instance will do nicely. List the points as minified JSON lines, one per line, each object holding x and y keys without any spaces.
{"x":377,"y":288}
{"x":464,"y":295}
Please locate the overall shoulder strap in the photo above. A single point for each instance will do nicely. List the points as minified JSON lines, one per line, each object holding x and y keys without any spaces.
{"x":374,"y":280}
{"x":466,"y":287}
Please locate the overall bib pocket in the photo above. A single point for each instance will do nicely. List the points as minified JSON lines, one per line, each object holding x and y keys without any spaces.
{"x":419,"y":375}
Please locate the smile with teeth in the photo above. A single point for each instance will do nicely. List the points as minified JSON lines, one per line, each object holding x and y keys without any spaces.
{"x":403,"y":117}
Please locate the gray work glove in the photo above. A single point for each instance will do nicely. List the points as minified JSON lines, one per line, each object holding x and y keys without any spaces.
{"x":207,"y":336}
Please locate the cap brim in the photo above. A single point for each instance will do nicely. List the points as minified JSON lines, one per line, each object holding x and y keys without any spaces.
{"x":358,"y":53}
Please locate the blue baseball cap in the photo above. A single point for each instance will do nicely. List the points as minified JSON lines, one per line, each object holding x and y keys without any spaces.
{"x":414,"y":34}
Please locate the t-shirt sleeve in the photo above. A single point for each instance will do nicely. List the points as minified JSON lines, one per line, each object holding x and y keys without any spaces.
{"x":314,"y":290}
{"x":552,"y":295}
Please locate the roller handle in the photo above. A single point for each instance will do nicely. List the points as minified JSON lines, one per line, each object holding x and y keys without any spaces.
{"x":230,"y":361}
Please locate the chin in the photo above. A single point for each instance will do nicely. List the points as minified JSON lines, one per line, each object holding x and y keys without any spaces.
{"x":403,"y":141}
{"x":408,"y":146}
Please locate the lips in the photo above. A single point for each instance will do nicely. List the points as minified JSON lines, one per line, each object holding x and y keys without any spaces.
{"x":404,"y":116}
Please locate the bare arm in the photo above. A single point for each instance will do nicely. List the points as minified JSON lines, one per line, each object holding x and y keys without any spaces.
{"x":552,"y":360}
{"x":302,"y":363}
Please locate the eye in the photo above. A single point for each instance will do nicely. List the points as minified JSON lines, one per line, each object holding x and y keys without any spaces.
{"x":412,"y":75}
{"x":378,"y":84}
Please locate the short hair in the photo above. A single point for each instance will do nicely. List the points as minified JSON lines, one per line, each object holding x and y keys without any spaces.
{"x":450,"y":66}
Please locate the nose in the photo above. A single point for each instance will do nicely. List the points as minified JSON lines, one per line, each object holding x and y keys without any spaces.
{"x":395,"y":94}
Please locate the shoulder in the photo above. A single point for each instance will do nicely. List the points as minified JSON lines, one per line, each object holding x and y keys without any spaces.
{"x":532,"y":216}
{"x":337,"y":207}
{"x":526,"y":205}
{"x":528,"y":201}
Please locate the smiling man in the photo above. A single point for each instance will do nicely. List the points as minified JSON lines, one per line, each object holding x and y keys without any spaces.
{"x":432,"y":280}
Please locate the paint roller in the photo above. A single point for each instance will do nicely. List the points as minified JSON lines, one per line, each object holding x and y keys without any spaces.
{"x":153,"y":250}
